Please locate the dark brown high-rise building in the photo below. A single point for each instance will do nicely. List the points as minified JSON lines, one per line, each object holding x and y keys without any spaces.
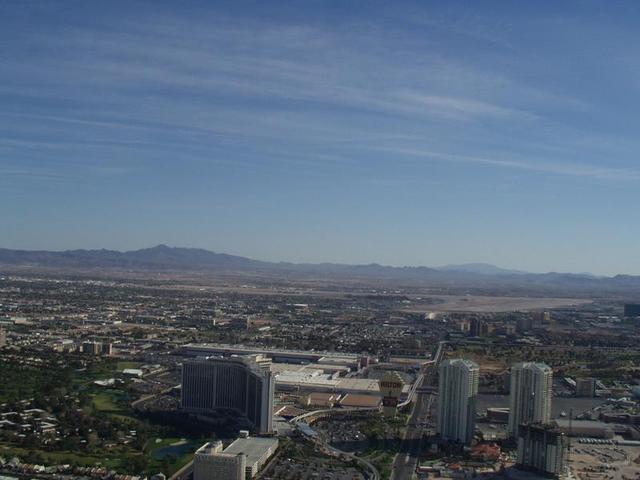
{"x":243,"y":384}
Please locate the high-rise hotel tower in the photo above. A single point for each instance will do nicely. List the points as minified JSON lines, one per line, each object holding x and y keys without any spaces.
{"x":244,"y":384}
{"x":457,"y":392}
{"x":531,"y":392}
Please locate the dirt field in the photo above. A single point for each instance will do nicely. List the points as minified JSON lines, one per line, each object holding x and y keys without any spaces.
{"x":475,"y":303}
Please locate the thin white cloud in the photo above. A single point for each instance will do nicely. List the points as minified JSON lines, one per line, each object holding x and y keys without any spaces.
{"x":539,"y":166}
{"x":303,"y":64}
{"x":456,"y":107}
{"x":173,"y":82}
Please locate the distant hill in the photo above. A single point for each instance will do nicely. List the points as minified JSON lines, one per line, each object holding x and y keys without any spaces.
{"x":165,"y":258}
{"x":480,"y":268}
{"x":160,"y":257}
{"x":175,"y":259}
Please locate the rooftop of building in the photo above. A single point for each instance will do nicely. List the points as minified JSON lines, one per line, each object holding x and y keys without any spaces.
{"x":210,"y":448}
{"x":322,"y":396}
{"x":270,"y":351}
{"x":256,"y":363}
{"x":359,"y":384}
{"x":462,"y":362}
{"x":253,"y":447}
{"x":306,"y":378}
{"x":537,"y":365}
{"x":354,"y":400}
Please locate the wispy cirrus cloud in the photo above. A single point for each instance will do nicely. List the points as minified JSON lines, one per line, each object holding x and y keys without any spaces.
{"x":275,"y":62}
{"x":195,"y":85}
{"x":559,"y":167}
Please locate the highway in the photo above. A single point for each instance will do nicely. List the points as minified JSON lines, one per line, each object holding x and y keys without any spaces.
{"x":406,"y":461}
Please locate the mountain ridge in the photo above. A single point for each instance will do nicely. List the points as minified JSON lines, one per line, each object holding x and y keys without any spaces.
{"x":481,"y":268}
{"x":166,"y":258}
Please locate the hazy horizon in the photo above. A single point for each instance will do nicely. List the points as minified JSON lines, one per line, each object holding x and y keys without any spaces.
{"x":400,"y":134}
{"x":327,"y":261}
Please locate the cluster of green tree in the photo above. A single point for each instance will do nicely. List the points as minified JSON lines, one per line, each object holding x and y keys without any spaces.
{"x":21,"y":381}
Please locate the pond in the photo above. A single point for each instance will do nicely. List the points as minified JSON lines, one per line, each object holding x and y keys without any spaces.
{"x":176,"y":450}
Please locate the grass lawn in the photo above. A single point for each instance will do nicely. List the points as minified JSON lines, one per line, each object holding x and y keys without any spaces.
{"x":106,"y":401}
{"x":66,"y":457}
{"x":112,"y":401}
{"x":121,"y":365}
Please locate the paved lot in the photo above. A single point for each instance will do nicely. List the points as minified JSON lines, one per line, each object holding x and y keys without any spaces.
{"x":605,"y":462}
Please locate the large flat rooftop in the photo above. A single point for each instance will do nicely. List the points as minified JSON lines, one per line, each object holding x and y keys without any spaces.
{"x":220,"y":348}
{"x":253,"y":447}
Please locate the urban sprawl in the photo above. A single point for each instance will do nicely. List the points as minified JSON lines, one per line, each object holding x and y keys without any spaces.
{"x":133,"y":378}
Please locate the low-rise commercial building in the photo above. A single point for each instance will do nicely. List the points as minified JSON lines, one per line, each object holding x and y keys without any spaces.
{"x":257,"y":450}
{"x":242,"y":460}
{"x":210,"y":463}
{"x":352,"y":361}
{"x":360,"y":401}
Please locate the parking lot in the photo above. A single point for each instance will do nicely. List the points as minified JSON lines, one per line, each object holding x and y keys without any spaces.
{"x":605,"y":462}
{"x":311,"y":469}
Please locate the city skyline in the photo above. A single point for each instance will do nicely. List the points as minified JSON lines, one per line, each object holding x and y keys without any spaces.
{"x":409,"y":134}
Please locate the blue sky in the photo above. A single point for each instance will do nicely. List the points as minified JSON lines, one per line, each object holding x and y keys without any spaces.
{"x":418,"y":133}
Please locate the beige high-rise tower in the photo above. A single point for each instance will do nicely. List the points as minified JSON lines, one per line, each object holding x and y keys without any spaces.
{"x":531,"y":392}
{"x":458,"y":390}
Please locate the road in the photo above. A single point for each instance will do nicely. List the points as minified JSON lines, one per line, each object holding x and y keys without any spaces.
{"x":372,"y":474}
{"x":406,"y":461}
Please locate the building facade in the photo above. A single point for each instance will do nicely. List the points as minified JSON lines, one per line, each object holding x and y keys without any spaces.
{"x":244,"y":384}
{"x":458,"y":390}
{"x":241,"y":460}
{"x":541,"y":449}
{"x":256,"y":450}
{"x":632,"y":310}
{"x":92,"y":348}
{"x":531,"y":392}
{"x":210,"y":463}
{"x":586,"y":387}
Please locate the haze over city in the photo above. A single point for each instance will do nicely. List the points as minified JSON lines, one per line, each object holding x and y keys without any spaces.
{"x":404,"y":133}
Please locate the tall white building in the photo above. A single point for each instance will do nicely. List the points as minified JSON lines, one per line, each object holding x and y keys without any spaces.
{"x":531,"y":392}
{"x":458,"y":389}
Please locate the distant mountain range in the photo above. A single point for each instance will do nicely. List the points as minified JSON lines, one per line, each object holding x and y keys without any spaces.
{"x":480,"y":268}
{"x":176,"y":259}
